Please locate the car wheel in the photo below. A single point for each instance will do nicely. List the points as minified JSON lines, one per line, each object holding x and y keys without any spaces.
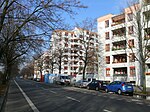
{"x":106,"y":90}
{"x":130,"y":94}
{"x":96,"y":88}
{"x":88,"y":87}
{"x":119,"y":92}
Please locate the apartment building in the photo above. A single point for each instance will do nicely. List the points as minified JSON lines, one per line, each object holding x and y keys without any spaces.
{"x":120,"y":43}
{"x":42,"y":65}
{"x":73,"y":47}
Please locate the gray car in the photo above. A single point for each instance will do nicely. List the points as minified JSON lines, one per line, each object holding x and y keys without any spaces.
{"x":81,"y":83}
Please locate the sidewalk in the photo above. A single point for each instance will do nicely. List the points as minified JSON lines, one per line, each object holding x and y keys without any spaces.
{"x":138,"y":91}
{"x":3,"y":96}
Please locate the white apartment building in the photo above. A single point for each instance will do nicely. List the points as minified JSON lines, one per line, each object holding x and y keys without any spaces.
{"x":42,"y":65}
{"x":73,"y":49}
{"x":118,"y":35}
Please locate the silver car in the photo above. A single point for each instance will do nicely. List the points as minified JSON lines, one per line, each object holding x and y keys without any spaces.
{"x":81,"y":83}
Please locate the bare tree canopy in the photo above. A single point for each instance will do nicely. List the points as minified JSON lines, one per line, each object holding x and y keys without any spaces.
{"x":25,"y":25}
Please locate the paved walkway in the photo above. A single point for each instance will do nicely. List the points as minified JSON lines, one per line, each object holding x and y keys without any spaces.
{"x":15,"y":98}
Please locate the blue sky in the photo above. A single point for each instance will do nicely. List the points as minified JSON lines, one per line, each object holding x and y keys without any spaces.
{"x":97,"y":8}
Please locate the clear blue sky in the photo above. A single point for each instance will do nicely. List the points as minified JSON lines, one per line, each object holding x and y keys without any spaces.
{"x":97,"y":8}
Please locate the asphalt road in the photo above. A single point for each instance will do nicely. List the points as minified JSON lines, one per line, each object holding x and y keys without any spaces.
{"x":31,"y":96}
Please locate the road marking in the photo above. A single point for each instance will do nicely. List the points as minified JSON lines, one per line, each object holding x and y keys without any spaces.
{"x":28,"y":99}
{"x":120,"y":99}
{"x":72,"y":99}
{"x":53,"y":91}
{"x":49,"y":90}
{"x":139,"y":103}
{"x":105,"y":110}
{"x":43,"y":88}
{"x":128,"y":101}
{"x":135,"y":100}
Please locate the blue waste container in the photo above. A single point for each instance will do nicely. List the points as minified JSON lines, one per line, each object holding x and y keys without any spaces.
{"x":46,"y":78}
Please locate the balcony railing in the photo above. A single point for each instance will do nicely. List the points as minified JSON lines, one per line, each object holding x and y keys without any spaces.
{"x":121,"y":48}
{"x":120,"y":60}
{"x":117,"y":23}
{"x":123,"y":75}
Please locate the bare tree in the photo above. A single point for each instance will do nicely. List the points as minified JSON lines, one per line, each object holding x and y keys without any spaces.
{"x":140,"y":14}
{"x":24,"y":25}
{"x":89,"y":49}
{"x":52,"y":61}
{"x":57,"y":50}
{"x":28,"y":70}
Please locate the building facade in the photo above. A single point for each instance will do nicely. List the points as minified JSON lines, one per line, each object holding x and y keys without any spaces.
{"x":120,"y":43}
{"x":72,"y":48}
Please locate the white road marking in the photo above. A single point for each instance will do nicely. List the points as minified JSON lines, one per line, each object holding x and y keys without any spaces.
{"x":119,"y":99}
{"x":49,"y":90}
{"x":128,"y":101}
{"x":105,"y":110}
{"x":53,"y":91}
{"x":28,"y":99}
{"x":43,"y":88}
{"x":135,"y":100}
{"x":139,"y":103}
{"x":72,"y":99}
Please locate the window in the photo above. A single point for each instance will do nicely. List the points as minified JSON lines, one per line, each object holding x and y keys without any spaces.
{"x":107,"y":47}
{"x":130,"y":17}
{"x":80,"y":63}
{"x":107,"y":35}
{"x":131,"y":43}
{"x":66,"y":34}
{"x":131,"y":57}
{"x":66,"y":45}
{"x":107,"y":59}
{"x":107,"y":72}
{"x":106,"y":23}
{"x":66,"y":39}
{"x":65,"y":68}
{"x":80,"y":36}
{"x":132,"y":71}
{"x":130,"y":30}
{"x":147,"y":33}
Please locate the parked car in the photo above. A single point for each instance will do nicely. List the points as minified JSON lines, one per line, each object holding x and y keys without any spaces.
{"x":120,"y":87}
{"x":85,"y":83}
{"x":78,"y":83}
{"x":97,"y":85}
{"x":81,"y":83}
{"x":62,"y":79}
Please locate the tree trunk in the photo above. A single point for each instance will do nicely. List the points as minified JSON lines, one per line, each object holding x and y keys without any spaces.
{"x":84,"y":68}
{"x":7,"y":74}
{"x":143,"y":78}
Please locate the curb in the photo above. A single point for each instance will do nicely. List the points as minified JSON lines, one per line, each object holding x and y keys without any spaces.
{"x":4,"y":99}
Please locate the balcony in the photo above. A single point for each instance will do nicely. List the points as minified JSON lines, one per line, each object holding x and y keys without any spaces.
{"x":122,"y":58}
{"x":119,"y":19}
{"x":119,"y":34}
{"x":120,"y":71}
{"x":146,"y":2}
{"x":121,"y":45}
